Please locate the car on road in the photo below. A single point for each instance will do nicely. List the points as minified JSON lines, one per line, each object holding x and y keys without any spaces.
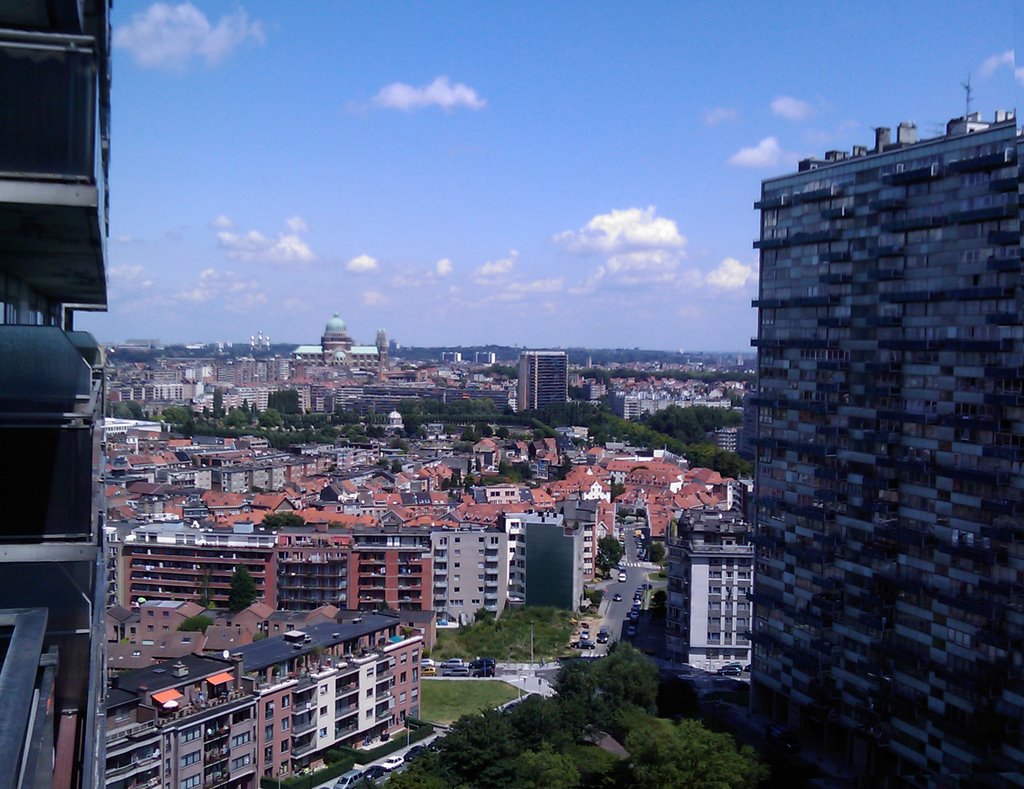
{"x":427,"y":662}
{"x":622,"y":576}
{"x":413,"y":752}
{"x":456,"y":671}
{"x":392,"y":763}
{"x":602,"y":638}
{"x":374,"y":773}
{"x":585,"y":644}
{"x":483,"y":667}
{"x":453,"y":662}
{"x":428,"y":671}
{"x":349,"y":779}
{"x":616,"y":598}
{"x":730,"y":671}
{"x":631,"y":631}
{"x":746,"y":669}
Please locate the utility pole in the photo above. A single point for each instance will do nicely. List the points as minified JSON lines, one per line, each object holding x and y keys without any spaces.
{"x":531,"y":642}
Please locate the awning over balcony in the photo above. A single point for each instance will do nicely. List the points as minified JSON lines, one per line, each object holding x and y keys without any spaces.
{"x":165,"y":696}
{"x":220,"y":679}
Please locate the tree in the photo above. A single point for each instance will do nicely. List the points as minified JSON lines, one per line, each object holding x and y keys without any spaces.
{"x":657,"y":551}
{"x":238,"y":417}
{"x":396,"y":466}
{"x":283,"y":520}
{"x":469,"y":435}
{"x":501,"y":432}
{"x":609,"y":552}
{"x":627,"y":678}
{"x":177,"y":414}
{"x":687,"y":754}
{"x":271,"y":418}
{"x":218,"y":403}
{"x":197,"y":623}
{"x":617,"y":489}
{"x":546,"y":769}
{"x":243,"y":589}
{"x":136,"y":410}
{"x":479,"y":750}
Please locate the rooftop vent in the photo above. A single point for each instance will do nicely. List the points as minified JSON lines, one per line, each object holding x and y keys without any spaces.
{"x":179,"y":669}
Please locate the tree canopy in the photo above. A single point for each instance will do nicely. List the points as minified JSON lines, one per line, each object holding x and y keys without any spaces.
{"x":243,"y":589}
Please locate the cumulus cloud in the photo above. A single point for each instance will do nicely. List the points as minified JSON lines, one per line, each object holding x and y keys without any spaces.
{"x":256,"y":247}
{"x":995,"y":62}
{"x":624,"y":229}
{"x":717,"y":115}
{"x":362,"y":264}
{"x":766,"y":153}
{"x":791,"y":108}
{"x":439,"y":93}
{"x":498,"y":268}
{"x":443,"y":267}
{"x":373,"y":298}
{"x":225,"y":288}
{"x":517,"y":290}
{"x":222,"y":222}
{"x":730,"y":274}
{"x":169,"y":37}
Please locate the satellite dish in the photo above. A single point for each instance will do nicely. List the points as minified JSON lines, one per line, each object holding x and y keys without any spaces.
{"x":226,"y":655}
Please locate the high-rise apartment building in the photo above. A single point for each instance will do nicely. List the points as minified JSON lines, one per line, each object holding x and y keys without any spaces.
{"x":889,"y":600}
{"x":543,"y":379}
{"x":54,"y":147}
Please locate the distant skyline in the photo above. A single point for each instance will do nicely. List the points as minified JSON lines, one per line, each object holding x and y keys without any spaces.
{"x":527,"y":174}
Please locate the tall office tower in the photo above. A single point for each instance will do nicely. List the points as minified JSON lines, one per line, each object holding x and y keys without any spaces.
{"x":54,"y":144}
{"x":889,"y":603}
{"x":543,"y":379}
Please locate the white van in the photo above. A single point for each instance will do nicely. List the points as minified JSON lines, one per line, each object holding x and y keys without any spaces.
{"x":349,"y":779}
{"x":622,"y":576}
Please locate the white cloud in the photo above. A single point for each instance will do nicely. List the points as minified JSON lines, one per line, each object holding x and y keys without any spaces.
{"x":730,"y":275}
{"x":129,"y":277}
{"x":255,"y":247}
{"x":297,"y":224}
{"x":362,"y":264}
{"x":995,"y":62}
{"x":169,"y":37}
{"x":624,"y":229}
{"x":232,"y":292}
{"x":222,"y":222}
{"x":717,"y":115}
{"x":551,"y":285}
{"x":124,"y":239}
{"x":439,"y":93}
{"x":500,"y":267}
{"x":590,"y":283}
{"x":791,"y":108}
{"x":373,"y":298}
{"x":765,"y":154}
{"x":443,"y":267}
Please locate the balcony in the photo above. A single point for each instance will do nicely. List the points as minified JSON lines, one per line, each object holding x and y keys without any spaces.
{"x":305,"y":724}
{"x":216,"y":754}
{"x":304,"y":749}
{"x":50,"y":231}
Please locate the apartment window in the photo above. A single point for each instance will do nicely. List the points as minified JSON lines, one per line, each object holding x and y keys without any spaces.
{"x":415,"y":675}
{"x":285,"y":725}
{"x":402,"y":677}
{"x":189,"y":783}
{"x":191,"y":734}
{"x":369,"y":692}
{"x":404,"y":658}
{"x":402,"y":697}
{"x":241,"y":761}
{"x":268,"y":711}
{"x":241,"y":739}
{"x":323,"y":690}
{"x":268,"y":733}
{"x":286,"y":702}
{"x":189,"y":758}
{"x":323,"y":732}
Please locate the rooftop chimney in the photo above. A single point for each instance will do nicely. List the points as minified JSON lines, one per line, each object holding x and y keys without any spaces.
{"x":179,"y":669}
{"x":906,"y":133}
{"x":882,"y":138}
{"x":860,"y":150}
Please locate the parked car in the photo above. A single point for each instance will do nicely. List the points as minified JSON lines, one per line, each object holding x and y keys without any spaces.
{"x":374,"y":773}
{"x":746,"y":669}
{"x":392,"y":763}
{"x":456,"y":671}
{"x":585,"y":644}
{"x":453,"y":663}
{"x":631,"y":631}
{"x":413,"y":752}
{"x":730,"y":671}
{"x":616,"y":598}
{"x":602,"y":638}
{"x":482,"y":667}
{"x":349,"y":779}
{"x":427,"y":662}
{"x":428,"y":671}
{"x":622,"y":577}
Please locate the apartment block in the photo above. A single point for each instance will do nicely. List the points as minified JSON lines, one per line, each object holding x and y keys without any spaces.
{"x":271,"y":709}
{"x":710,"y":570}
{"x":172,"y":561}
{"x":391,"y":567}
{"x":543,"y":379}
{"x":889,"y":617}
{"x":54,"y":149}
{"x":470,"y":572}
{"x":312,"y":569}
{"x":553,"y":559}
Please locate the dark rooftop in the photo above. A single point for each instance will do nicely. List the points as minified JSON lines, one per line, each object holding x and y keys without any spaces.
{"x":161,"y":675}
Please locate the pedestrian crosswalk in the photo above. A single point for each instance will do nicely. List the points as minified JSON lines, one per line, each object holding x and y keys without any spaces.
{"x":636,"y":564}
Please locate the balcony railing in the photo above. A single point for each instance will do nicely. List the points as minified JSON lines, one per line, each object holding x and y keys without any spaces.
{"x":51,"y":80}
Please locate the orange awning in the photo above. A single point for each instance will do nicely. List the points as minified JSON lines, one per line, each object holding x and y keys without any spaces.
{"x":220,"y":679}
{"x":166,"y":695}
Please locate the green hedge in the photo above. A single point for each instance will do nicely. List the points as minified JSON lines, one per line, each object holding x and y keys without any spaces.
{"x":349,"y":758}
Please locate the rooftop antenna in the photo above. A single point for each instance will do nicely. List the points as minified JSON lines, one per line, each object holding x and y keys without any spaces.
{"x":967,"y":96}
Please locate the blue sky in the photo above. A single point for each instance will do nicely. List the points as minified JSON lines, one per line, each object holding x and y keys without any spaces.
{"x":522,"y":173}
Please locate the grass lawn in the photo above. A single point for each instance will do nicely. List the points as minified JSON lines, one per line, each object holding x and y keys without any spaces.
{"x":445,"y":701}
{"x":508,"y":638}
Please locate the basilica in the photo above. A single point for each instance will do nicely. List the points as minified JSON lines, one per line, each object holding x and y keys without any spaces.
{"x":337,"y":349}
